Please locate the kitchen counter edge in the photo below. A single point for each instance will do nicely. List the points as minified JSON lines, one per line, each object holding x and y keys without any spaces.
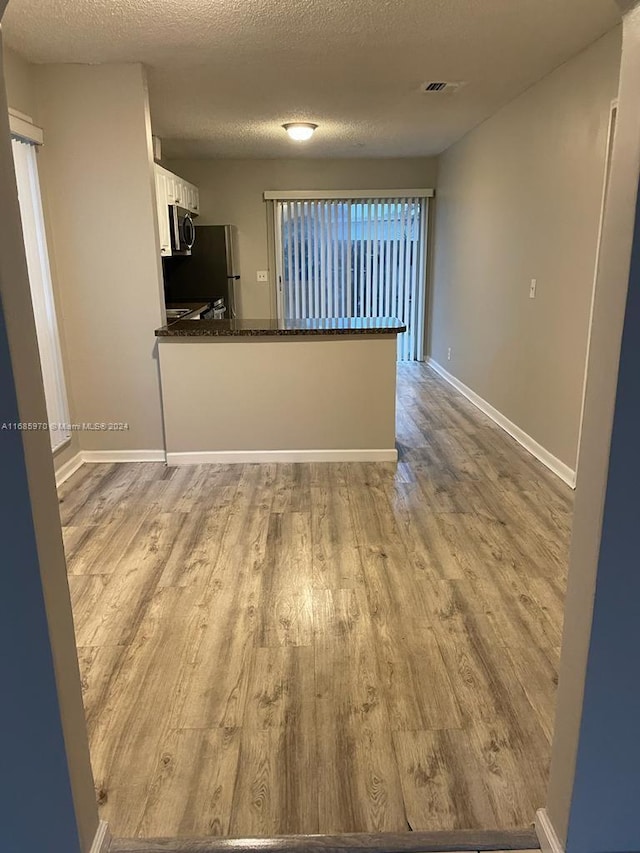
{"x":267,"y":328}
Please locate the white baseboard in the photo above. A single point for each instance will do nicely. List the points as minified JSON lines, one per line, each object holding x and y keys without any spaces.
{"x":68,"y":468}
{"x":223,"y":456}
{"x":567,"y":474}
{"x":123,"y":456}
{"x":547,"y":837}
{"x":248,"y":456}
{"x":102,"y":839}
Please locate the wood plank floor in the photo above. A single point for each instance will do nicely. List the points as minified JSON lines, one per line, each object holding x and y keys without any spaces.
{"x":323,"y":648}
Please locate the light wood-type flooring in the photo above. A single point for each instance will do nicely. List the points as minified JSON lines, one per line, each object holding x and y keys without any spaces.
{"x":333,"y":648}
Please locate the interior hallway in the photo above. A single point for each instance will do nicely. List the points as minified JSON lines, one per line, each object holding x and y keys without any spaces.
{"x":275,"y":649}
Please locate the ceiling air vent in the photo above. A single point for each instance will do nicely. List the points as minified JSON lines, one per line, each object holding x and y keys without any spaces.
{"x":438,"y":86}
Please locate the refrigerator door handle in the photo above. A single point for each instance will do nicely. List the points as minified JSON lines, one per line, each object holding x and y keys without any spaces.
{"x":232,"y":296}
{"x":230,"y":248}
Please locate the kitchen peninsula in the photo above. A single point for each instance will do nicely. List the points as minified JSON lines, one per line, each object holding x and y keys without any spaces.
{"x":280,"y":391}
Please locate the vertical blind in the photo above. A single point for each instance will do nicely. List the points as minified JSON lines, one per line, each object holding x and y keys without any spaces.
{"x":35,"y":243}
{"x":355,"y":257}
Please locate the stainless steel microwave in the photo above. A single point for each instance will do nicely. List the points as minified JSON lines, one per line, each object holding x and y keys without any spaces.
{"x":183,"y":232}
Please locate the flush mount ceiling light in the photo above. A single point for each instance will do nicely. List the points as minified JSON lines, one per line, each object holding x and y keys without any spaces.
{"x":300,"y":130}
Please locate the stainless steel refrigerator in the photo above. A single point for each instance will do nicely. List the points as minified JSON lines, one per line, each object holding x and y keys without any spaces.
{"x":209,"y":273}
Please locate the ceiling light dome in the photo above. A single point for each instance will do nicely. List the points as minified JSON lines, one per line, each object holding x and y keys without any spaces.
{"x":300,"y":130}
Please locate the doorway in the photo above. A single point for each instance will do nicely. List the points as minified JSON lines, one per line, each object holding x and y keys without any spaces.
{"x":354,"y":257}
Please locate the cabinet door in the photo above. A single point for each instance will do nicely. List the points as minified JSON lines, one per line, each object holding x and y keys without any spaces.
{"x":189,"y":196}
{"x":195,"y":195}
{"x":185,"y":195}
{"x":162,"y":201}
{"x":179,"y":190}
{"x":172,"y":189}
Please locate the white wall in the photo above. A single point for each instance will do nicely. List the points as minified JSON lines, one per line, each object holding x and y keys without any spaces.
{"x":519,"y":198}
{"x":97,"y":176}
{"x":598,"y":563}
{"x":231,"y":193}
{"x":19,"y":83}
{"x":302,"y":395}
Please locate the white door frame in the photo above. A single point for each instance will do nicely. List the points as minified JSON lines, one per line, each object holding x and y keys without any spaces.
{"x":611,"y":130}
{"x":277,"y":225}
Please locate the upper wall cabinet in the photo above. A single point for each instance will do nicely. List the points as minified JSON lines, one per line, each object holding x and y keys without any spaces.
{"x":170,"y":189}
{"x":162,"y":196}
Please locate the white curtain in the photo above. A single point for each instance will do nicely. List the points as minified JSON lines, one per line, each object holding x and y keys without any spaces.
{"x":35,"y":242}
{"x":355,"y":258}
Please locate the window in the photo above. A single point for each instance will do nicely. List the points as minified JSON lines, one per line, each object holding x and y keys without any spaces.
{"x":354,"y":257}
{"x":35,"y":243}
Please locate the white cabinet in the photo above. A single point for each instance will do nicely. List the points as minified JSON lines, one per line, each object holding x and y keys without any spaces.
{"x":177,"y":189}
{"x":188,"y":195}
{"x":170,"y":184}
{"x":170,"y":189}
{"x":162,"y":203}
{"x":194,"y":199}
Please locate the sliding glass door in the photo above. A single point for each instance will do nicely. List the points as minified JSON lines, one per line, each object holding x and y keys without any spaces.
{"x":354,"y":258}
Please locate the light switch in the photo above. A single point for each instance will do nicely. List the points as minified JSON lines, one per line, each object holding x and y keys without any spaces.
{"x":532,"y":288}
{"x":262,"y":275}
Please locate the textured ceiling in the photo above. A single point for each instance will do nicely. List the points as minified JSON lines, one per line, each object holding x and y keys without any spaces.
{"x":225,"y":74}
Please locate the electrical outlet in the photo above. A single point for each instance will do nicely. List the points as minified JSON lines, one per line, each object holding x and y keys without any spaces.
{"x":449,"y":354}
{"x":262,"y":275}
{"x":532,"y":288}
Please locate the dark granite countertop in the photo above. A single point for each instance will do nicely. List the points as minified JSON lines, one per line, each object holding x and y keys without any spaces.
{"x":282,"y":328}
